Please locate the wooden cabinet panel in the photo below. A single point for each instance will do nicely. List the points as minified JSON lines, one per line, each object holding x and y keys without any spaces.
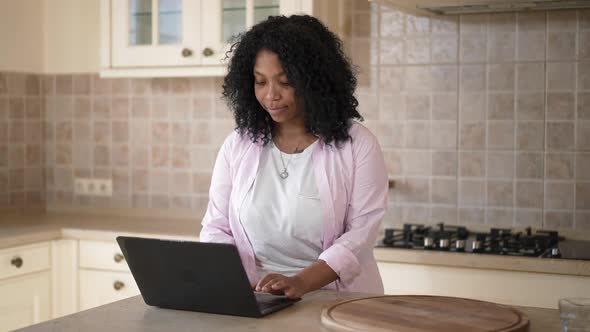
{"x":506,"y":287}
{"x":102,"y":255}
{"x":64,"y":277}
{"x":127,"y":51}
{"x":25,"y":259}
{"x":102,"y":287}
{"x":24,"y":301}
{"x":103,"y":274}
{"x":132,"y":45}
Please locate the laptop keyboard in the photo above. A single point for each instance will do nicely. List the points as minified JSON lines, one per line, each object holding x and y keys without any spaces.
{"x":266,"y":300}
{"x":264,"y":306}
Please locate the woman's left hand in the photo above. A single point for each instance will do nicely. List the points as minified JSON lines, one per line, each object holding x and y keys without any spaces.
{"x":274,"y":283}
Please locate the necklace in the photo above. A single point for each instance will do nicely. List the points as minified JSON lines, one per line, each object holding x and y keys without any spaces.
{"x":285,"y":174}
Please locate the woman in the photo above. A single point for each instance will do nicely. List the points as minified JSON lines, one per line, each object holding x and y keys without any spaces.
{"x":300,"y":187}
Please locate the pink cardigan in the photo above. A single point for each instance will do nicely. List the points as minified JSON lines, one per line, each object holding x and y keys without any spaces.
{"x":352,"y":184}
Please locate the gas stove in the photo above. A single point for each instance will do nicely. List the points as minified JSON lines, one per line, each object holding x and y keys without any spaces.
{"x":498,"y":241}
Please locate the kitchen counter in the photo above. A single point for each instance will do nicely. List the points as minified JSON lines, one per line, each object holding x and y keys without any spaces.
{"x":479,"y":261}
{"x":19,"y":230}
{"x":134,"y":315}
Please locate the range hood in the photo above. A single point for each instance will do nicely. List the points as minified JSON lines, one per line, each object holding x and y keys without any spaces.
{"x":459,"y":7}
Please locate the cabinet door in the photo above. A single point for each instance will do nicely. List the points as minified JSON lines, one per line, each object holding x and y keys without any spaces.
{"x":24,"y":301}
{"x":148,"y":33}
{"x":102,"y":287}
{"x":223,"y":20}
{"x":542,"y":290}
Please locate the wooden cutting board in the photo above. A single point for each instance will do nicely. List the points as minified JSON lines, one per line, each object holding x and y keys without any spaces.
{"x":417,"y":313}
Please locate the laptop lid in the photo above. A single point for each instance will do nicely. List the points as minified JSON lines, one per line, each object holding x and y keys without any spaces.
{"x":196,"y":276}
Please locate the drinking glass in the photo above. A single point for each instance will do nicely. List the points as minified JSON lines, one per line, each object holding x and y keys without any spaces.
{"x":574,"y":314}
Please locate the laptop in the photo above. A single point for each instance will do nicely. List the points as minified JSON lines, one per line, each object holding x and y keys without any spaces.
{"x":195,"y":276}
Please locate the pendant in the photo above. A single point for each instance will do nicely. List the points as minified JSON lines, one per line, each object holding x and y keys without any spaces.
{"x":284,"y":174}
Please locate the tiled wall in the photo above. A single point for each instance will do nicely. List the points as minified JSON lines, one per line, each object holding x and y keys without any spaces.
{"x":155,"y":138}
{"x":484,"y":119}
{"x":21,"y":141}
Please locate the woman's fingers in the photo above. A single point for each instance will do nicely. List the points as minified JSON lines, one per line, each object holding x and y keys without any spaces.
{"x":288,"y":289}
{"x":279,"y":284}
{"x":292,"y":293}
{"x":270,"y":288}
{"x":269,"y":285}
{"x":264,"y":287}
{"x":285,"y":287}
{"x":265,"y":280}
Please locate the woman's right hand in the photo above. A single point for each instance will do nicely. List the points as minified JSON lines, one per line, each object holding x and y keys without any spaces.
{"x":278,"y":284}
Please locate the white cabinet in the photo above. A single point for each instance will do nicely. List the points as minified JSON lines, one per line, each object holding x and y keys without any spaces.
{"x":155,"y":33}
{"x":147,"y":38}
{"x":48,"y":280}
{"x":507,"y":287}
{"x":24,"y":301}
{"x":104,"y":276}
{"x":102,"y":287}
{"x":25,"y":283}
{"x":225,"y":19}
{"x":102,"y":255}
{"x":64,"y":277}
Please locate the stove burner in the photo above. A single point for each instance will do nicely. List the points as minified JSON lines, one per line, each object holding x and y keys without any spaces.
{"x":499,"y":241}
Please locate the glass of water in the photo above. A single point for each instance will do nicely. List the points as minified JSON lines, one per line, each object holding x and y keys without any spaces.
{"x":575,"y":314}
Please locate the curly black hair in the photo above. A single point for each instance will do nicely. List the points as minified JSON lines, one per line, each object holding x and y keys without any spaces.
{"x":316,"y":66}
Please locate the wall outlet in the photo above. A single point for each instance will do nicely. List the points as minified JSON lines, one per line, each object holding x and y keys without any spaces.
{"x":93,"y":187}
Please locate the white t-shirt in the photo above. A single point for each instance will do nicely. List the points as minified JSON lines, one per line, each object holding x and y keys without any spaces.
{"x":283,"y":218}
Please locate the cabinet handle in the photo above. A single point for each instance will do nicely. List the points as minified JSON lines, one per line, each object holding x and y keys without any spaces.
{"x":207,"y":52}
{"x":118,"y":285}
{"x":186,"y":52}
{"x":17,"y":261}
{"x":119,"y":258}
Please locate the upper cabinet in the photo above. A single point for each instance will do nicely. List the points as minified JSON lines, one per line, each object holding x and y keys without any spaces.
{"x":155,"y":33}
{"x":227,"y":19}
{"x":149,"y":38}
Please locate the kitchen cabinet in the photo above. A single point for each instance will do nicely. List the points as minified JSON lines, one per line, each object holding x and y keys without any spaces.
{"x":102,"y":287}
{"x":155,"y":33}
{"x":25,"y":283}
{"x":64,"y":277}
{"x":507,"y":287}
{"x":225,"y":19}
{"x":104,"y":276}
{"x":147,"y":38}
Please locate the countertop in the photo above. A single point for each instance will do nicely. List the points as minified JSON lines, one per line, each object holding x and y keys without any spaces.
{"x":20,"y":230}
{"x":133,"y":314}
{"x":479,"y":261}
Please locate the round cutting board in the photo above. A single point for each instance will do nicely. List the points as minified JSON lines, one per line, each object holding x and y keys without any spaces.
{"x":416,"y":313}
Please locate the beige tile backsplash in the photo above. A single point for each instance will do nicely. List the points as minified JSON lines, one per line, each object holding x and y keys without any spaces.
{"x":497,"y":117}
{"x":483,"y":120}
{"x":156,"y":139}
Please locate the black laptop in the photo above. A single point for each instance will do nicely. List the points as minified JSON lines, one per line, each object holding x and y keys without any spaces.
{"x":195,"y":276}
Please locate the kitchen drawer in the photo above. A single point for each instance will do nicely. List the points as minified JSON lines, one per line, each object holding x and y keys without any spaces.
{"x":25,"y":259}
{"x":102,"y":255}
{"x":102,"y":287}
